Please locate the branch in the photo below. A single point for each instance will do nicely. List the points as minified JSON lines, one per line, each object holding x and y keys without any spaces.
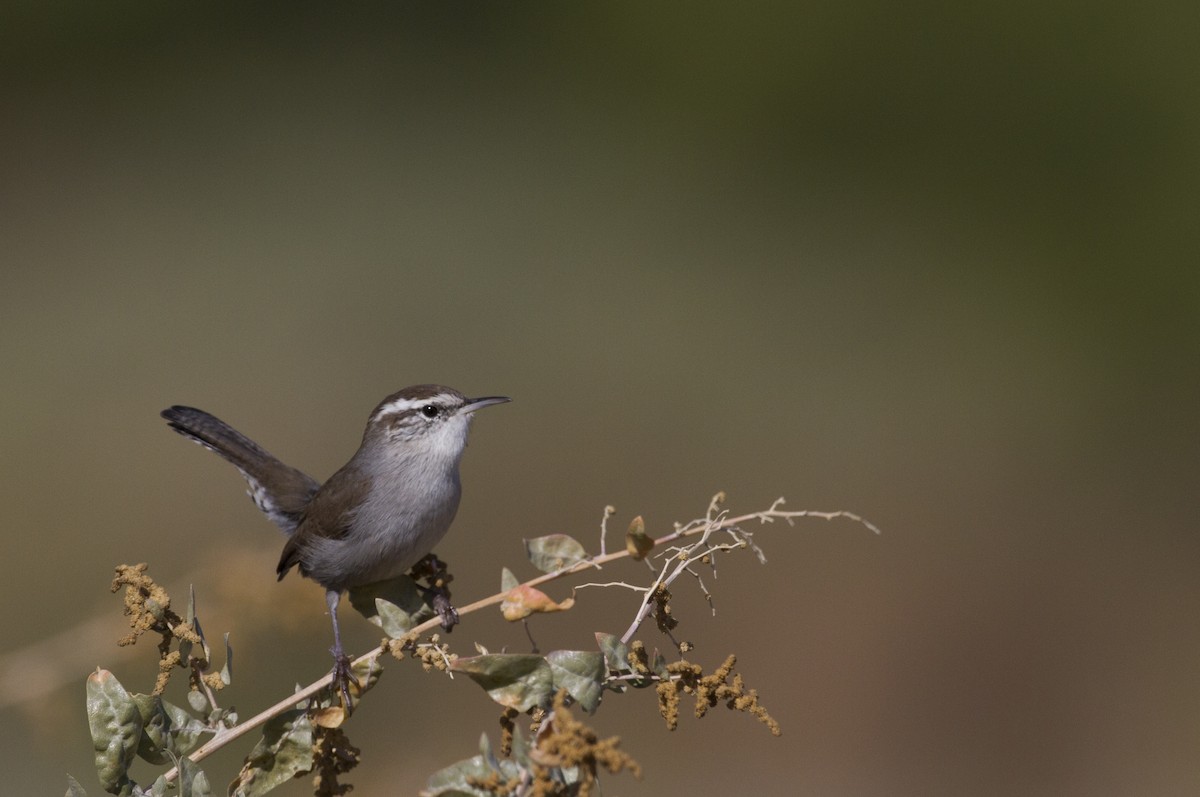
{"x":711,"y":523}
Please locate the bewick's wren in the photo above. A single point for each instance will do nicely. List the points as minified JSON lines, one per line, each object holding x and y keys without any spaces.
{"x":377,"y":516}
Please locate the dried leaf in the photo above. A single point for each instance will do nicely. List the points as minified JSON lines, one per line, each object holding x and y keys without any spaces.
{"x":554,"y":552}
{"x":329,"y":717}
{"x":637,"y":542}
{"x":74,"y":789}
{"x":524,"y":600}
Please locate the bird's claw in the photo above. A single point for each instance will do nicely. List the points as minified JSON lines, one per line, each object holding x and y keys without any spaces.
{"x":445,"y":610}
{"x":343,"y":676}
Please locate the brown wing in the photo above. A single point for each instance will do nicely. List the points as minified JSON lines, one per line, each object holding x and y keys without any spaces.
{"x":325,"y":516}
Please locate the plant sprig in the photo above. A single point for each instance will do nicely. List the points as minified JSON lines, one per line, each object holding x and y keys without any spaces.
{"x":522,"y":682}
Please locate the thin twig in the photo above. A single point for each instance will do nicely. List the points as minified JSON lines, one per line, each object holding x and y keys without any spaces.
{"x":712,"y":522}
{"x":609,"y":511}
{"x":633,"y":587}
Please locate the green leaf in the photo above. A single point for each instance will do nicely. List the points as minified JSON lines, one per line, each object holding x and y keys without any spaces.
{"x":456,"y":779}
{"x":192,"y":782}
{"x":485,"y":750}
{"x":116,"y":728}
{"x":581,"y":673}
{"x":513,"y":680}
{"x":74,"y":789}
{"x":197,"y":700}
{"x":203,"y":641}
{"x":396,"y":605}
{"x":227,"y":670}
{"x":616,"y":652}
{"x":520,"y":749}
{"x":570,"y":776}
{"x":507,"y":580}
{"x":221,"y":716}
{"x":155,"y":740}
{"x":155,"y":609}
{"x":185,"y":731}
{"x":185,"y":651}
{"x":194,"y":621}
{"x":554,"y":552}
{"x":157,"y":789}
{"x":659,"y":665}
{"x":367,"y":673}
{"x":283,"y":752}
{"x":394,"y":621}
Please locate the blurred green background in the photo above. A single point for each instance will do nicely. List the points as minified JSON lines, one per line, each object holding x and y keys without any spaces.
{"x":936,"y":264}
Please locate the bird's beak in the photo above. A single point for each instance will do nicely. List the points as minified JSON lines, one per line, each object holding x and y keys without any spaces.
{"x":480,"y":403}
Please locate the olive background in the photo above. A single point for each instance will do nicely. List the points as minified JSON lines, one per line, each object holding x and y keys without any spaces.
{"x":931,"y":263}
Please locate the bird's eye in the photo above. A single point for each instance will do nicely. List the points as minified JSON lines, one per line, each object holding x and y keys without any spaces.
{"x":430,"y":411}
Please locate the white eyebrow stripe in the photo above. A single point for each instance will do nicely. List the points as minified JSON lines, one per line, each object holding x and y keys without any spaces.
{"x":406,"y":404}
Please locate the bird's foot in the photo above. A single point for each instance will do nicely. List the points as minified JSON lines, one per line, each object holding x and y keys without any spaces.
{"x":437,"y":594}
{"x":343,"y":676}
{"x":439,"y":598}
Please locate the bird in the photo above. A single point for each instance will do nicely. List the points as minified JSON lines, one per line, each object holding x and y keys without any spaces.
{"x":377,"y":515}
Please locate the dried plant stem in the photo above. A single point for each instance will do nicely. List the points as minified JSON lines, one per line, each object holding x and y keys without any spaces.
{"x":707,"y":525}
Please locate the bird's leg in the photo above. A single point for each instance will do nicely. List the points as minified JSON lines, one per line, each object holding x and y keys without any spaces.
{"x":342,"y":675}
